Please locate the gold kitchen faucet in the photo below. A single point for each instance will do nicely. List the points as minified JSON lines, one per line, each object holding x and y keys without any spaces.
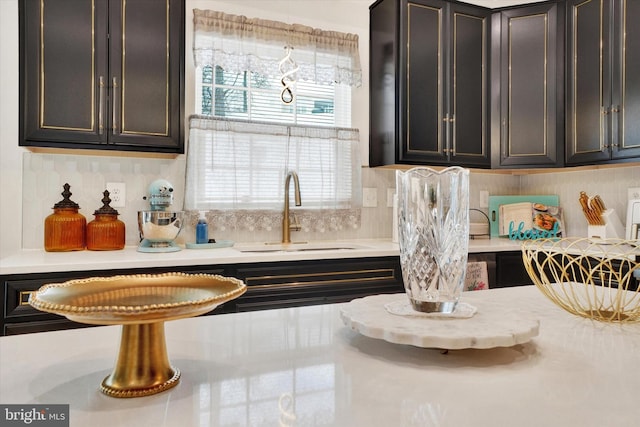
{"x":286,"y":225}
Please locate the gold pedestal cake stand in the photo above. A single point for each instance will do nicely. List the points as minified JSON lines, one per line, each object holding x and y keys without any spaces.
{"x":141,"y":304}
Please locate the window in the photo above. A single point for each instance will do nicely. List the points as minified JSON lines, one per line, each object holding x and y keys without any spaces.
{"x":243,"y":164}
{"x":250,"y":96}
{"x":244,"y":139}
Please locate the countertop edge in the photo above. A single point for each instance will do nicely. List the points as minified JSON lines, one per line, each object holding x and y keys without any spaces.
{"x":40,"y":261}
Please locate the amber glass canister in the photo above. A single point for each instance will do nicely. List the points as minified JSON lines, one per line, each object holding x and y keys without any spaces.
{"x":106,"y":231}
{"x":64,"y":229}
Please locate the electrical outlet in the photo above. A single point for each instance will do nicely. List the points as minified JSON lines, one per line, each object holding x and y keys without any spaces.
{"x":117,"y":194}
{"x":633,"y":193}
{"x":390,"y":193}
{"x":484,"y":199}
{"x":369,"y":197}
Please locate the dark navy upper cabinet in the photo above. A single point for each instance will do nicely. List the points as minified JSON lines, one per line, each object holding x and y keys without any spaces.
{"x":102,"y":74}
{"x":528,"y":83}
{"x":603,"y":81}
{"x":429,"y":83}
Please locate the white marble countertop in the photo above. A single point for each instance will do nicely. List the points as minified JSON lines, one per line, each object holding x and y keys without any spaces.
{"x":40,"y":261}
{"x":303,"y":367}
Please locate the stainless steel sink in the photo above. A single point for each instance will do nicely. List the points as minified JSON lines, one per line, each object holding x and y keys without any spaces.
{"x":297,"y":247}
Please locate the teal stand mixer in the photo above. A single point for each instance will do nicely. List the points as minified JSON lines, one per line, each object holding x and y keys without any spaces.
{"x":159,"y":226}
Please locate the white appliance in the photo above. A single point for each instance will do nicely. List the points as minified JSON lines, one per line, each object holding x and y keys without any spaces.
{"x":633,"y":220}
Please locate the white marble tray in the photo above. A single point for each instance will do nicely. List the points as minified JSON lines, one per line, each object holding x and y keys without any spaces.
{"x":495,"y":324}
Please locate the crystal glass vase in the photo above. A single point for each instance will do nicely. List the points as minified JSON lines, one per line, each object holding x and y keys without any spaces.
{"x":433,"y":233}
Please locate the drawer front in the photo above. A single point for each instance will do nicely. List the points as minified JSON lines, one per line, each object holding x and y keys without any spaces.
{"x":288,"y":284}
{"x":17,"y":291}
{"x":41,"y":326}
{"x":364,"y":277}
{"x":341,"y":273}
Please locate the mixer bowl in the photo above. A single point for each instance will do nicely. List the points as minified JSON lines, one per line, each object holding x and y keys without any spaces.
{"x":160,"y":227}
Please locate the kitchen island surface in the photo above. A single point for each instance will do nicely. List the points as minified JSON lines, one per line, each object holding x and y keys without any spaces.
{"x":303,"y":367}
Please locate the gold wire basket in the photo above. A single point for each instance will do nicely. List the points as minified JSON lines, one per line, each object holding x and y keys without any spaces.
{"x":597,"y":279}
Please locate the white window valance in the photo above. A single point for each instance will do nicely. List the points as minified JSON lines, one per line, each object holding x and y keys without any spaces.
{"x":237,"y":44}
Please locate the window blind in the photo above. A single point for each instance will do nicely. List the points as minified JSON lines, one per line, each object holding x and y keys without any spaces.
{"x":238,"y":164}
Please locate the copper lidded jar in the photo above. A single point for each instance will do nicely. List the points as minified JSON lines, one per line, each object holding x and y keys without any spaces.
{"x":106,"y":232}
{"x":64,"y":229}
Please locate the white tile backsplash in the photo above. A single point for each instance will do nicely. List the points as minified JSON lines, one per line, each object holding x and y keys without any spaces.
{"x":45,"y":174}
{"x":610,"y":183}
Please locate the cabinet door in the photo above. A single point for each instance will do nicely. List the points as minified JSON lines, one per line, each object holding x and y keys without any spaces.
{"x":102,"y":74}
{"x":510,"y":270}
{"x":625,"y":142}
{"x":63,"y":69}
{"x":429,"y":83}
{"x":384,"y":97}
{"x":531,"y":87}
{"x":145,"y":72}
{"x":424,"y":131}
{"x":603,"y":93}
{"x":588,"y":81}
{"x":468,"y":85}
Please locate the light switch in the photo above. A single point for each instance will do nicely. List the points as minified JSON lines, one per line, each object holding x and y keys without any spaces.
{"x":369,"y":197}
{"x":390,"y":193}
{"x":484,"y":199}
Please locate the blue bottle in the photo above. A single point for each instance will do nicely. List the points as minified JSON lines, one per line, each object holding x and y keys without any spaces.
{"x":202,"y":230}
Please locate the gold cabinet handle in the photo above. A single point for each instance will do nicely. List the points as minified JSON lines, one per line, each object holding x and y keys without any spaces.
{"x":503,"y":137}
{"x":24,"y":297}
{"x":452,"y":120}
{"x":615,"y":127}
{"x":447,"y":141}
{"x":100,"y":105}
{"x":114,"y":103}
